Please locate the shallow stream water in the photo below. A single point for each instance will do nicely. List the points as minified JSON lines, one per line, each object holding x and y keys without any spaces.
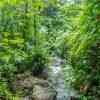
{"x":64,"y":92}
{"x":56,"y":78}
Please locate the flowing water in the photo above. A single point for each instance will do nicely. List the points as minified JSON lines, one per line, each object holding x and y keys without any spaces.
{"x":64,"y":92}
{"x":56,"y":78}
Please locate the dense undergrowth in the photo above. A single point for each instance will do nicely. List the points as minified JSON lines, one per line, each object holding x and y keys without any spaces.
{"x":21,"y":45}
{"x":84,"y":51}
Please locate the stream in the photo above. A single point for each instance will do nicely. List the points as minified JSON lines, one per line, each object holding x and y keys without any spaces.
{"x":57,"y":77}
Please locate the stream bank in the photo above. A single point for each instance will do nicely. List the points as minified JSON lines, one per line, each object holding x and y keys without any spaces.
{"x":29,"y":87}
{"x":50,"y":85}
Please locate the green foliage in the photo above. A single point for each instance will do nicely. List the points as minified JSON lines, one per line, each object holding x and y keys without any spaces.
{"x":19,"y":32}
{"x":31,"y":30}
{"x":22,"y":45}
{"x":7,"y":71}
{"x":39,"y":61}
{"x":84,"y":50}
{"x":5,"y":94}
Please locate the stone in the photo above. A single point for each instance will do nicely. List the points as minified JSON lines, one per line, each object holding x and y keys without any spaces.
{"x":35,"y":88}
{"x":43,"y":93}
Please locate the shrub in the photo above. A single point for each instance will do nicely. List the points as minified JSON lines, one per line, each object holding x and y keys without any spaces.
{"x":39,"y":60}
{"x":7,"y":70}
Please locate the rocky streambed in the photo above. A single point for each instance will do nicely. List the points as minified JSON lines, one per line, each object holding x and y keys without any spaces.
{"x":49,"y":86}
{"x":33,"y":88}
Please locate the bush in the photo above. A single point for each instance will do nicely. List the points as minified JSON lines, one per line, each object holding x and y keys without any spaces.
{"x":39,"y":61}
{"x":7,"y":70}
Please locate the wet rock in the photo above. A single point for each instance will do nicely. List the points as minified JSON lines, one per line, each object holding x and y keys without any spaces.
{"x":43,"y":93}
{"x":74,"y":98}
{"x":36,"y":71}
{"x":33,"y":88}
{"x":44,"y":74}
